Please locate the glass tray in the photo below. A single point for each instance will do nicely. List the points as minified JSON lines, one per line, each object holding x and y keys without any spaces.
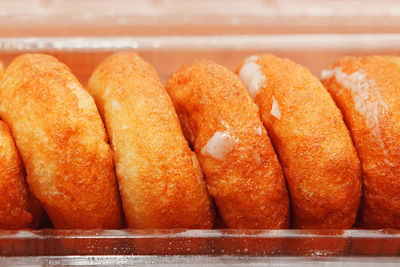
{"x":168,"y":53}
{"x":211,"y":247}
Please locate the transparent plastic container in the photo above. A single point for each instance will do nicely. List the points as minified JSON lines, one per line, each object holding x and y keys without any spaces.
{"x":212,"y":247}
{"x":170,"y":34}
{"x":192,"y":17}
{"x":168,"y":53}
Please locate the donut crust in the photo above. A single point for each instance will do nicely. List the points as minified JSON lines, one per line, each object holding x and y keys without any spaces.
{"x":221,"y":122}
{"x":160,"y":180}
{"x":367,"y":91}
{"x":63,"y":145}
{"x":313,"y":144}
{"x":18,"y":207}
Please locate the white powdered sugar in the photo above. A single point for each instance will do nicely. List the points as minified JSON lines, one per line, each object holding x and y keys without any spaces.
{"x":258,"y":130}
{"x":367,"y":99}
{"x":219,"y":145}
{"x":252,"y":58}
{"x":327,"y":74}
{"x":252,"y":76}
{"x":84,"y":99}
{"x":275,"y":111}
{"x":116,"y":105}
{"x":257,"y":157}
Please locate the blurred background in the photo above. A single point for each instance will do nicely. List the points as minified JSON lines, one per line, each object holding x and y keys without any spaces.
{"x":188,"y":17}
{"x":171,"y":33}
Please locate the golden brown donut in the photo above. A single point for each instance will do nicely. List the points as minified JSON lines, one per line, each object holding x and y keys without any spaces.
{"x":62,"y":143}
{"x":18,"y":207}
{"x":367,"y":91}
{"x":312,"y":142}
{"x":241,"y":168}
{"x":159,"y":177}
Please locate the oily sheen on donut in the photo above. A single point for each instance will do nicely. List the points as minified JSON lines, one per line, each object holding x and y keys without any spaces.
{"x":18,"y":207}
{"x":222,"y":124}
{"x":159,"y":177}
{"x":367,"y":90}
{"x":63,"y":145}
{"x":311,"y":139}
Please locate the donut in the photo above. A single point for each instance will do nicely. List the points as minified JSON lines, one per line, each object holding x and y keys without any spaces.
{"x":18,"y":207}
{"x":314,"y":146}
{"x":62,"y":142}
{"x":222,"y":124}
{"x":160,"y":180}
{"x":367,"y":91}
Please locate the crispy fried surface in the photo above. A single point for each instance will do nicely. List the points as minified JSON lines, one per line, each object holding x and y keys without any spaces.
{"x":62,"y":142}
{"x":18,"y":208}
{"x":313,"y":145}
{"x":222,"y":123}
{"x":160,"y":180}
{"x":371,"y":109}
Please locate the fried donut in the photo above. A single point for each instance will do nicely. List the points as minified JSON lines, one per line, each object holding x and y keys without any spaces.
{"x":367,"y":91}
{"x":63,"y":145}
{"x":311,"y":139}
{"x":159,"y":177}
{"x":18,"y":207}
{"x":241,"y":168}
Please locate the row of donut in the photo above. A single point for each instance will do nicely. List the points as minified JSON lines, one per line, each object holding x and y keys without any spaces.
{"x":268,"y":147}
